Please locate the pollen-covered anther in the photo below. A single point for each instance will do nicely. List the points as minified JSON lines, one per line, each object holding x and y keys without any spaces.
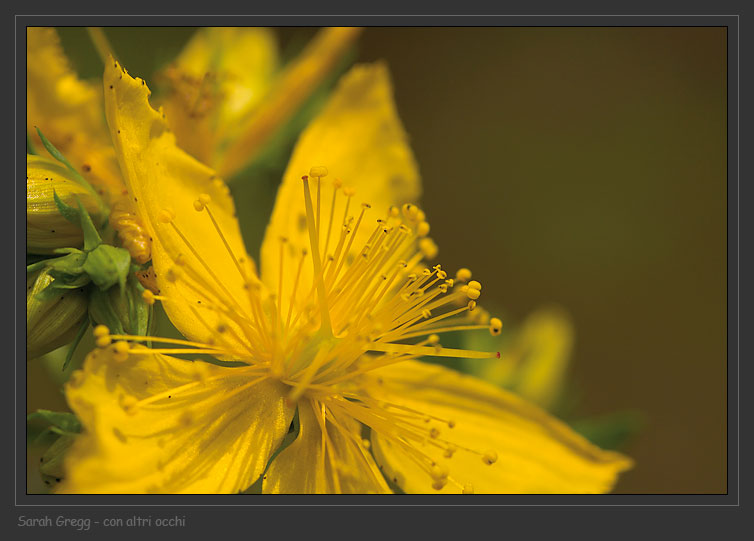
{"x":449,"y":451}
{"x":463,"y":275}
{"x":439,"y":472}
{"x":148,"y":297}
{"x":337,"y":183}
{"x":495,"y":326}
{"x":166,"y":215}
{"x":472,"y":293}
{"x":433,"y":339}
{"x":475,"y":285}
{"x":410,"y":211}
{"x":102,"y":336}
{"x":394,"y":211}
{"x":318,"y":171}
{"x":422,"y":230}
{"x":120,"y":351}
{"x":428,"y":248}
{"x":348,"y":191}
{"x":439,"y":484}
{"x":471,"y":306}
{"x":489,"y":457}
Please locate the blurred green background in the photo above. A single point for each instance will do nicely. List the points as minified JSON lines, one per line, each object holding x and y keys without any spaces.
{"x":579,"y":166}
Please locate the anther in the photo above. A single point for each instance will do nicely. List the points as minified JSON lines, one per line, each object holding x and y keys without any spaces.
{"x":451,"y":423}
{"x":489,"y":457}
{"x":366,"y":443}
{"x":426,"y":314}
{"x":434,"y":432}
{"x":101,"y":330}
{"x":422,"y":229}
{"x":475,"y":285}
{"x":471,"y":306}
{"x":439,"y":484}
{"x":495,"y":326}
{"x":120,"y":351}
{"x":473,"y":294}
{"x":439,"y":472}
{"x":166,"y":215}
{"x":463,"y":275}
{"x":337,"y":183}
{"x":318,"y":171}
{"x":428,"y":248}
{"x":433,"y":339}
{"x":148,"y":297}
{"x":394,"y":211}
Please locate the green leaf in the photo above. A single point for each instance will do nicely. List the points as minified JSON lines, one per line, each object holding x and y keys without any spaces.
{"x":64,"y":422}
{"x":107,"y":265}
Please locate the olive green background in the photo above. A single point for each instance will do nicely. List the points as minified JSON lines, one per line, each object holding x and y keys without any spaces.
{"x":579,"y":166}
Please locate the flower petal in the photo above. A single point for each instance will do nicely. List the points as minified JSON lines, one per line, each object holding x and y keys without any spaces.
{"x":219,"y":77}
{"x":536,"y":453}
{"x":163,"y":178}
{"x":359,"y":138}
{"x":292,"y":86}
{"x":68,"y":111}
{"x":346,"y":467}
{"x":205,"y":429}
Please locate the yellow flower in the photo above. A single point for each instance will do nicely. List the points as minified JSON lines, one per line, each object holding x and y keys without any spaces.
{"x":227,"y":98}
{"x":69,"y":112}
{"x":227,"y":94}
{"x":333,"y":328}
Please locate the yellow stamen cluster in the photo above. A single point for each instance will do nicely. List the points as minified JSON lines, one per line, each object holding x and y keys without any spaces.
{"x":324,"y":338}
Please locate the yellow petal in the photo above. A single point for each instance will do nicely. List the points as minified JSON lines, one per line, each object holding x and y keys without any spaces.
{"x":68,"y":111}
{"x":291,"y":87}
{"x":359,"y":138}
{"x":536,"y":453}
{"x":346,"y":467}
{"x":207,"y":429}
{"x":162,"y":179}
{"x":221,"y":75}
{"x":536,"y":363}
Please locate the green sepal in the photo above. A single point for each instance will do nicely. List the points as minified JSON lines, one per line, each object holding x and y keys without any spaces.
{"x":68,"y":212}
{"x":55,"y":153}
{"x":91,"y":237}
{"x":107,"y":265}
{"x":138,"y":310}
{"x":75,"y":343}
{"x":71,"y":264}
{"x":102,"y":311}
{"x":60,"y":422}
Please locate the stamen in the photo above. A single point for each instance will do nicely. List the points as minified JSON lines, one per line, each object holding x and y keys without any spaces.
{"x":326,"y":326}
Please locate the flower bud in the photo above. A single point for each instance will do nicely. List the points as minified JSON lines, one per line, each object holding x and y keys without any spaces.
{"x":51,"y":323}
{"x":46,"y":228}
